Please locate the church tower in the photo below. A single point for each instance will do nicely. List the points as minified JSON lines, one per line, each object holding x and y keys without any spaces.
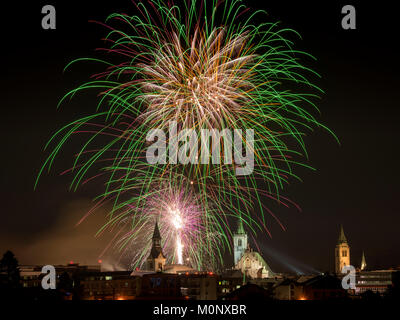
{"x":156,"y":259}
{"x":239,"y":242}
{"x":342,"y":252}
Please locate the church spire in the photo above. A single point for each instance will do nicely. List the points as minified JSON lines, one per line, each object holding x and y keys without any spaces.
{"x":156,"y":259}
{"x":156,"y":233}
{"x":240,"y":229}
{"x":342,"y":237}
{"x":363,"y":262}
{"x":156,"y":247}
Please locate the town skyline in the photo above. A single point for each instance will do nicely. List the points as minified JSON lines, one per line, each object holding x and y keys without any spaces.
{"x":230,"y":260}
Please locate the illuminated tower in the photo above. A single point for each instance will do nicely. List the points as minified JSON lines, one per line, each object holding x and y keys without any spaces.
{"x":363,"y":262}
{"x":156,"y":259}
{"x":239,"y":242}
{"x":342,"y":252}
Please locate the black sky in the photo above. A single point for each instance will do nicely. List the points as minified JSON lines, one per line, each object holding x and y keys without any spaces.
{"x":356,"y":182}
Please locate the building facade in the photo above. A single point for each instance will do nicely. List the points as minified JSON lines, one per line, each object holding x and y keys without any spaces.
{"x":200,"y":286}
{"x":252,"y":265}
{"x":288,"y":289}
{"x":323,"y":287}
{"x":377,"y":281}
{"x":113,"y":285}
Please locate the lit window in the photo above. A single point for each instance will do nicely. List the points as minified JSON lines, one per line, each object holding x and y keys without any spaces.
{"x":108,"y":277}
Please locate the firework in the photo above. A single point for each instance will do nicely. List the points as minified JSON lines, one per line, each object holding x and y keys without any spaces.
{"x":177,"y":221}
{"x":203,"y":66}
{"x":189,"y":232}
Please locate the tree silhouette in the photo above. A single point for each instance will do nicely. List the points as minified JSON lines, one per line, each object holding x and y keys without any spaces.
{"x":9,"y":271}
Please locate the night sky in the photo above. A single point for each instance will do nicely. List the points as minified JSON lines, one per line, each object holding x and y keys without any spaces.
{"x":355,"y":184}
